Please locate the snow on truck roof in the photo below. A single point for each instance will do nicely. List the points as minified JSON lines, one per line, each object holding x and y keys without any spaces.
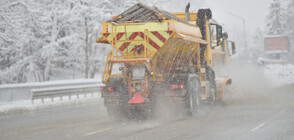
{"x":144,"y":13}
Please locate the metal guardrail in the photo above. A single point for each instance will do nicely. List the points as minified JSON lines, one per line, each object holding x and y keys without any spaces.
{"x":17,"y":92}
{"x":64,"y":91}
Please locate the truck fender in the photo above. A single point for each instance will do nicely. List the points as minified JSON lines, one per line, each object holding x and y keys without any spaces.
{"x":221,"y":85}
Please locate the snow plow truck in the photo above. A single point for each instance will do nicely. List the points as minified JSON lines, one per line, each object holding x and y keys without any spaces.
{"x":155,"y":49}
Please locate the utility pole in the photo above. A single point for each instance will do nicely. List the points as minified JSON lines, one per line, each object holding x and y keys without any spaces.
{"x":244,"y":31}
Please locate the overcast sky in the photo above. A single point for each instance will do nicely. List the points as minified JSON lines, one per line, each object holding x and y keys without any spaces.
{"x":254,"y":11}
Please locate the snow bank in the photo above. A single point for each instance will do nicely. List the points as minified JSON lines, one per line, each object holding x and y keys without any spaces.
{"x":279,"y":75}
{"x":8,"y":108}
{"x":51,"y":83}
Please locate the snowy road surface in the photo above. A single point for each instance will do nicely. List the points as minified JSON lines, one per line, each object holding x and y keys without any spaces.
{"x":247,"y":115}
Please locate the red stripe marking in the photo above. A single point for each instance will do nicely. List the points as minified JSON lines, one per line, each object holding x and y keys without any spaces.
{"x":132,"y":37}
{"x":154,"y":44}
{"x":119,"y":35}
{"x":159,"y":36}
{"x":124,"y":46}
{"x":169,"y":32}
{"x":106,"y":34}
{"x":141,"y":34}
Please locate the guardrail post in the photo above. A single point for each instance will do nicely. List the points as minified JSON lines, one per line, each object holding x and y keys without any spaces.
{"x":60,"y":92}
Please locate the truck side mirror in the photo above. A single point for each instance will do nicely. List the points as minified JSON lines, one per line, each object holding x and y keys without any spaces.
{"x":219,"y":34}
{"x":233,"y":48}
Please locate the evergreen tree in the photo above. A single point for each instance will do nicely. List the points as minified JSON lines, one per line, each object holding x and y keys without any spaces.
{"x":290,"y":11}
{"x":291,"y":16}
{"x":258,"y":39}
{"x":276,"y":20}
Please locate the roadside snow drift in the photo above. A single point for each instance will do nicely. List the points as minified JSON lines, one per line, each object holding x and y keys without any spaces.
{"x":279,"y":75}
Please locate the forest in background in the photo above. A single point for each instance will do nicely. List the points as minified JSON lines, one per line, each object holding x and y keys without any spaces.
{"x":43,"y":40}
{"x":279,"y":21}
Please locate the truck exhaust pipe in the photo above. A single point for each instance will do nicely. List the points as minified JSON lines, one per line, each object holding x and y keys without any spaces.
{"x":187,"y":13}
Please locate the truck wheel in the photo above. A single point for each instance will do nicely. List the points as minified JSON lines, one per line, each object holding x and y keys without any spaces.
{"x":193,"y":99}
{"x":211,"y":86}
{"x":212,"y":92}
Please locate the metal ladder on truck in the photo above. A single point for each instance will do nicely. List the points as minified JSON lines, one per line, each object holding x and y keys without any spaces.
{"x":115,"y":57}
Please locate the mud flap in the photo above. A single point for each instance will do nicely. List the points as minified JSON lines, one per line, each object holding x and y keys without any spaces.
{"x":137,"y":98}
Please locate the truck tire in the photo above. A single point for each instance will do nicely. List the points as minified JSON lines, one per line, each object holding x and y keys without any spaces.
{"x":116,"y":111}
{"x":193,"y":95}
{"x":211,"y":86}
{"x":212,"y":92}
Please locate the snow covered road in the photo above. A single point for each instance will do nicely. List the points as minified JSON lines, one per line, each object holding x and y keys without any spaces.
{"x":250,"y":115}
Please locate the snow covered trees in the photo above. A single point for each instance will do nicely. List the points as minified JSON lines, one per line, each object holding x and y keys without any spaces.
{"x":257,"y":49}
{"x":280,"y":22}
{"x":41,"y":40}
{"x":277,"y":19}
{"x":17,"y":37}
{"x":89,"y":14}
{"x":290,"y":10}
